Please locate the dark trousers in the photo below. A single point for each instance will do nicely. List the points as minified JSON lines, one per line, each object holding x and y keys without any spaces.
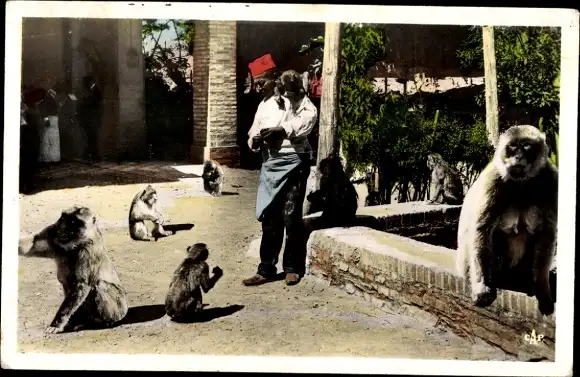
{"x":285,"y":212}
{"x":90,"y":121}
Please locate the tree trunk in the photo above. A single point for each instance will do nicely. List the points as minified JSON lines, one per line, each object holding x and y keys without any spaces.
{"x":328,"y":127}
{"x":491,"y":103}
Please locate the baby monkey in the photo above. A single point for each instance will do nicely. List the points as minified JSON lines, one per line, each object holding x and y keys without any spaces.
{"x":184,"y":298}
{"x":213,"y":177}
{"x":144,"y":207}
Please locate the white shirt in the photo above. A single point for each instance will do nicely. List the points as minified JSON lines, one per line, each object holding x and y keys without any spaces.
{"x":297,"y":124}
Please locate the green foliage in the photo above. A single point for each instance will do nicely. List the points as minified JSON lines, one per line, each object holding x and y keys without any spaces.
{"x":528,"y":67}
{"x":556,"y":141}
{"x":389,"y":131}
{"x":386,"y":130}
{"x":361,"y":109}
{"x":314,"y":43}
{"x":161,"y":59}
{"x":169,"y":111}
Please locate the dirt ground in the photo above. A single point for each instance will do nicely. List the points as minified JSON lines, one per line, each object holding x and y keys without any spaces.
{"x":309,"y":319}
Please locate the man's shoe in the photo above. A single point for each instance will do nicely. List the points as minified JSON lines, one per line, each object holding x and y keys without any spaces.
{"x":255,"y":280}
{"x":292,"y":278}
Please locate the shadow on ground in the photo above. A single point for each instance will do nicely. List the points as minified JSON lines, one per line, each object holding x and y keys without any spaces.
{"x":177,"y":227}
{"x":227,"y":193}
{"x":144,"y":313}
{"x":66,"y":175}
{"x":136,"y":314}
{"x":210,"y":314}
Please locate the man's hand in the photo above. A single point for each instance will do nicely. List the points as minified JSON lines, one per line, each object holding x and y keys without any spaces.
{"x":257,"y":142}
{"x":274,"y":134}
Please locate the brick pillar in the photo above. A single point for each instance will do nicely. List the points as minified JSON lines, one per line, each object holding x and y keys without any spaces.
{"x":214,"y":93}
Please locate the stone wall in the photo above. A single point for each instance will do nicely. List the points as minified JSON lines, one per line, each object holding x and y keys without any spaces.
{"x":214,"y":95}
{"x":431,"y":223}
{"x":393,"y":271}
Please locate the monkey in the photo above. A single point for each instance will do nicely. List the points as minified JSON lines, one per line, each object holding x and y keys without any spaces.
{"x":509,"y":219}
{"x":144,"y":207}
{"x":336,"y":198}
{"x":448,"y":186}
{"x":213,"y":177}
{"x":373,"y":199}
{"x":184,"y":297}
{"x":94,"y":294}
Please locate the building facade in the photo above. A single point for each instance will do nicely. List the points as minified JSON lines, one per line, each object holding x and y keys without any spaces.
{"x":64,"y":50}
{"x":59,"y":52}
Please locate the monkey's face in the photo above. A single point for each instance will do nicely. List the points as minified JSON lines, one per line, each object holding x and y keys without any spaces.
{"x":431,"y":161}
{"x":209,"y":172}
{"x":521,"y":157}
{"x":76,"y":225}
{"x":330,"y":166}
{"x":149,"y":196}
{"x":198,"y":252}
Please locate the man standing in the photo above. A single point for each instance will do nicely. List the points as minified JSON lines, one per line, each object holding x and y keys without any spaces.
{"x":90,"y":111}
{"x":285,"y":170}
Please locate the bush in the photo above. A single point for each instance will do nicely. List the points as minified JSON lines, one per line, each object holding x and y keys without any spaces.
{"x":388,"y":131}
{"x":528,"y":72}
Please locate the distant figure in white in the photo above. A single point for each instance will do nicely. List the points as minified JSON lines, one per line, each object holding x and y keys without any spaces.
{"x":49,"y":133}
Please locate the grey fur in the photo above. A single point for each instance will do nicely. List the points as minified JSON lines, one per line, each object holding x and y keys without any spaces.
{"x":184,"y":297}
{"x":448,"y":186}
{"x":144,"y":208}
{"x":213,"y":177}
{"x":510,"y":214}
{"x":94,"y":295}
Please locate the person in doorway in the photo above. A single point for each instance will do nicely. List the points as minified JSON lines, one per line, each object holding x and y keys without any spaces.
{"x":285,"y":169}
{"x":90,"y":115}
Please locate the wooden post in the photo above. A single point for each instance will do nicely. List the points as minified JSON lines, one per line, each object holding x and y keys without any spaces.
{"x":328,"y":127}
{"x":491,"y":104}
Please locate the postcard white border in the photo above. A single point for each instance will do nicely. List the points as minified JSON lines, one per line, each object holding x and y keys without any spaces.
{"x":567,"y":19}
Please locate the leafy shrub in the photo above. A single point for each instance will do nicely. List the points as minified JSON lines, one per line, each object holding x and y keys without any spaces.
{"x":528,"y":70}
{"x":388,"y":131}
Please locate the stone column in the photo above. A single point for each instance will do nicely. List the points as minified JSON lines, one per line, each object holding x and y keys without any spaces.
{"x":94,"y":43}
{"x":214,"y":93}
{"x":132,"y":130}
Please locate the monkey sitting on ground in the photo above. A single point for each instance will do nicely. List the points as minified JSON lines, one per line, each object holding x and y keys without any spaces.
{"x":336,"y":198}
{"x":448,"y":186}
{"x":144,"y":207}
{"x":184,"y":297}
{"x":213,"y":177}
{"x":94,"y":295}
{"x":509,"y":219}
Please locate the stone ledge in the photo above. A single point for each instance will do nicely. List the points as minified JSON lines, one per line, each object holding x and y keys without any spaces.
{"x":388,"y":269}
{"x":405,"y":217}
